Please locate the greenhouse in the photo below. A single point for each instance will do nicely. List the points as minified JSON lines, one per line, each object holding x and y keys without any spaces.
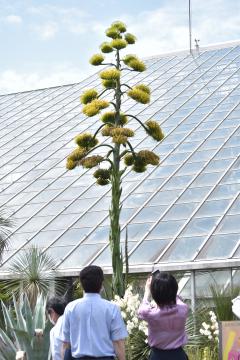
{"x":182,"y":216}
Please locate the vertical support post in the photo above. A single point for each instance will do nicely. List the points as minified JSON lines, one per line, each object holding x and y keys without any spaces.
{"x":190,"y":25}
{"x":193,"y":291}
{"x":193,"y":298}
{"x":231,"y":280}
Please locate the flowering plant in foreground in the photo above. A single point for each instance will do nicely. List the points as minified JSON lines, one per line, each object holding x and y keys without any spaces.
{"x":137,"y":343}
{"x":129,"y":305}
{"x":211,"y":330}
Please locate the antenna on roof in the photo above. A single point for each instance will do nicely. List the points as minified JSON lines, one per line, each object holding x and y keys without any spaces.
{"x":190,"y":25}
{"x":197,"y":45}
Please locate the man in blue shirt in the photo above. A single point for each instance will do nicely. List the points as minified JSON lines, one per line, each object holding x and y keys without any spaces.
{"x":91,"y":326}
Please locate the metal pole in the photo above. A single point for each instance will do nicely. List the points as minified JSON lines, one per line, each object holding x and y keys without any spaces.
{"x":193,"y":299}
{"x":231,"y":280}
{"x":190,"y":25}
{"x":193,"y":291}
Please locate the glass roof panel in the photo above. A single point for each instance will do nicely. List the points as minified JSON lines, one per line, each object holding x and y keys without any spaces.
{"x":148,"y":251}
{"x":166,"y":229}
{"x":201,"y":226}
{"x":190,"y":245}
{"x":231,"y":223}
{"x":81,"y":256}
{"x":219,"y":247}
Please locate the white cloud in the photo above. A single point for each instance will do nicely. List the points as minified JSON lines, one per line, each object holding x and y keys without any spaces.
{"x":12,"y":81}
{"x":47,"y":31}
{"x":166,"y":29}
{"x":13,"y":19}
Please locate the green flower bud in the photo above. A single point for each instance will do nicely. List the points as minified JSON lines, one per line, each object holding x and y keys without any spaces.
{"x":108,"y":117}
{"x":94,"y":107}
{"x":88,"y":96}
{"x":128,"y":58}
{"x":112,"y":33}
{"x":110,"y":74}
{"x":118,"y":44}
{"x":120,"y":26}
{"x":154,"y":130}
{"x":128,"y":159}
{"x":102,"y":173}
{"x":149,"y":157}
{"x":77,"y":154}
{"x":96,"y":59}
{"x":118,"y":131}
{"x":107,"y":130}
{"x":139,"y":169}
{"x":101,"y":181}
{"x":144,"y":88}
{"x":91,"y":161}
{"x":109,"y":84}
{"x":86,"y":140}
{"x":70,"y":164}
{"x":119,"y":139}
{"x":130,"y":38}
{"x":106,"y":47}
{"x":137,"y":65}
{"x":139,"y":95}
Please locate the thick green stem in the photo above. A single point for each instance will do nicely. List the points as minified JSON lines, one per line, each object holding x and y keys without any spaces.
{"x":114,"y":212}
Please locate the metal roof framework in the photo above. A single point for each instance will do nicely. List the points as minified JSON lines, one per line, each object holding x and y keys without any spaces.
{"x":183,"y":215}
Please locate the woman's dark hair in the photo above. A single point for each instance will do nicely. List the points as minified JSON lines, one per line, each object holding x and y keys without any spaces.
{"x":57,"y":304}
{"x":91,"y":278}
{"x":164,"y":288}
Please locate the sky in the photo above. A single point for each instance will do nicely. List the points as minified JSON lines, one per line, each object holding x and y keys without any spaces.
{"x":49,"y":42}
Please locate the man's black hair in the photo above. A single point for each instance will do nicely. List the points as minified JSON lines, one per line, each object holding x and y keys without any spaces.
{"x":91,"y":278}
{"x":164,"y":288}
{"x":57,"y":304}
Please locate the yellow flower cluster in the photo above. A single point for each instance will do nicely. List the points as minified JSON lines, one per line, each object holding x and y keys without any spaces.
{"x":86,"y":140}
{"x":106,"y":48}
{"x":118,"y":44}
{"x":154,"y":130}
{"x":88,"y":96}
{"x":91,"y":161}
{"x":134,"y":63}
{"x":109,"y":84}
{"x":110,"y":74}
{"x":119,"y":135}
{"x":94,"y":107}
{"x":139,"y":95}
{"x":110,"y":118}
{"x":75,"y":157}
{"x":96,"y":59}
{"x":140,"y":160}
{"x":102,"y":176}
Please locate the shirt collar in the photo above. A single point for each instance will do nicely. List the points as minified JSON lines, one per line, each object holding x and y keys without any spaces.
{"x":91,"y":295}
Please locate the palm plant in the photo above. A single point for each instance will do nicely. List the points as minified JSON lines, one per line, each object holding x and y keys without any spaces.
{"x":6,"y":224}
{"x":25,"y":329}
{"x":33,"y":275}
{"x":120,"y":149}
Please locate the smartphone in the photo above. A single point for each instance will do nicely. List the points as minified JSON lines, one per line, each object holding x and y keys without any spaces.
{"x":154,"y":272}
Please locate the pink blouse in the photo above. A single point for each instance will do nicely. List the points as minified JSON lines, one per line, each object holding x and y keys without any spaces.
{"x":166,"y":326}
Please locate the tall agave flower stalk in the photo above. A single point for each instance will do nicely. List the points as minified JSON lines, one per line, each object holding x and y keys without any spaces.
{"x":113,"y":126}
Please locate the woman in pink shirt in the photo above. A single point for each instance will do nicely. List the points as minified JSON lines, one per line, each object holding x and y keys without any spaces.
{"x":166,"y":321}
